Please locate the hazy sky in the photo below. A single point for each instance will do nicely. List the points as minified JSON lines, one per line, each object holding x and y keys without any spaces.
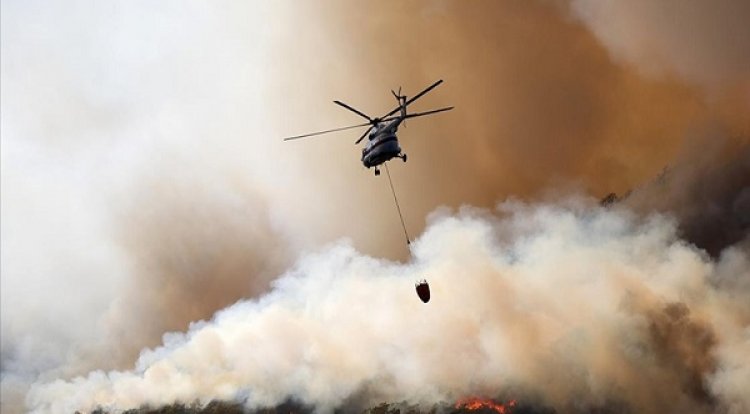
{"x":145,"y":184}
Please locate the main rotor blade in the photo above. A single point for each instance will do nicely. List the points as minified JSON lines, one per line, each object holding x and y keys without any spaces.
{"x":325,"y":132}
{"x":416,"y":114}
{"x":353,"y":110}
{"x":363,"y":136}
{"x":414,"y":98}
{"x":434,"y":111}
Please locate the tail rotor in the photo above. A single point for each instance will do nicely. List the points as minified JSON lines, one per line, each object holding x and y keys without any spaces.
{"x":400,"y":98}
{"x":401,"y":102}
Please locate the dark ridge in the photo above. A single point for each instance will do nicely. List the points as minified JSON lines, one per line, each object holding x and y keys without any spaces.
{"x":223,"y":407}
{"x":215,"y":407}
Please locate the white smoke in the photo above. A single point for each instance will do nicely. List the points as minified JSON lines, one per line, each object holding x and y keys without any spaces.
{"x":110,"y":117}
{"x":575,"y":305}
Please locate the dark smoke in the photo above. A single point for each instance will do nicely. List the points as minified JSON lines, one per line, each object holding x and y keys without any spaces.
{"x":707,"y":190}
{"x":686,"y":345}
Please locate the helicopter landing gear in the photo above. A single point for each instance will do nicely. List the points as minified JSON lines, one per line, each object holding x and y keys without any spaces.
{"x":377,"y":171}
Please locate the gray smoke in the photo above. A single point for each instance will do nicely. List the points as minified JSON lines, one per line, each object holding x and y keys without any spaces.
{"x":707,"y":43}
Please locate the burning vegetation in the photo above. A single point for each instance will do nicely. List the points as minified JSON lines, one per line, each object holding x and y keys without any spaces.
{"x":482,"y":404}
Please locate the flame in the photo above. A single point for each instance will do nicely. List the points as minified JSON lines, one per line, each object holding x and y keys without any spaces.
{"x":476,"y":403}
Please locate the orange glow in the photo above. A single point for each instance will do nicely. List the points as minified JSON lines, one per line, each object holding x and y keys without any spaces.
{"x":476,"y":403}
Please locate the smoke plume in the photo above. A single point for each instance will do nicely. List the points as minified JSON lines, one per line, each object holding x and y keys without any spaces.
{"x":572,"y":304}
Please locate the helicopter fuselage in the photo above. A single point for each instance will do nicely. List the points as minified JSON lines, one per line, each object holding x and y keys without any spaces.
{"x":382,"y":144}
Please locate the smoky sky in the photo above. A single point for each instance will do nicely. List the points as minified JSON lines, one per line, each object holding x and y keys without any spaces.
{"x":145,"y":185}
{"x":540,"y":100}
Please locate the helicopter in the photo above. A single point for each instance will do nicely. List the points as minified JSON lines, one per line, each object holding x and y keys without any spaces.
{"x":382,"y":144}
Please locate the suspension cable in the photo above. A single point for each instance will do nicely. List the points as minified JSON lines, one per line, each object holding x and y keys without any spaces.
{"x":397,"y":206}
